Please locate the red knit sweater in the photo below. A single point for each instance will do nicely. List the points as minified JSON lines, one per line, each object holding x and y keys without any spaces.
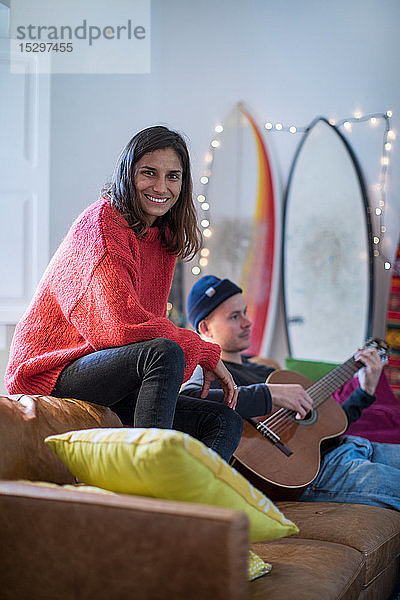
{"x":103,"y":288}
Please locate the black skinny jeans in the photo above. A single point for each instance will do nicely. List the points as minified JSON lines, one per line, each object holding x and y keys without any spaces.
{"x":140,"y":382}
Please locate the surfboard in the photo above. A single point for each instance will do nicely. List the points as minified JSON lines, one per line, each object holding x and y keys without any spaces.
{"x":245,"y":220}
{"x":393,"y":327}
{"x":327,"y":249}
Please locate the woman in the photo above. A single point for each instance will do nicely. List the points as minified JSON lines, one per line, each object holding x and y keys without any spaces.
{"x":96,"y":328}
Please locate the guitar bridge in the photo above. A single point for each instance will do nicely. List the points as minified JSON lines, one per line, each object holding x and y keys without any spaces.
{"x":270,"y":435}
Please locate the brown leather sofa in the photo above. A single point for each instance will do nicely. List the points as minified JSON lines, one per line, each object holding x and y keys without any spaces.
{"x":64,"y":543}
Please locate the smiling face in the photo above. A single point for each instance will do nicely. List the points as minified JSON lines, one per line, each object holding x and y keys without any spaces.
{"x":158,"y":182}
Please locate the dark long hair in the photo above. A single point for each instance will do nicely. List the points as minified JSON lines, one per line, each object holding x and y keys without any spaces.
{"x":179,"y":231}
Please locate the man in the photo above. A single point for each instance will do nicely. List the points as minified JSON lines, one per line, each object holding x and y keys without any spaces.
{"x":353,"y":469}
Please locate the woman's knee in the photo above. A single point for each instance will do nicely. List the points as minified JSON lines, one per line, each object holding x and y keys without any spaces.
{"x":170,"y":352}
{"x":170,"y":348}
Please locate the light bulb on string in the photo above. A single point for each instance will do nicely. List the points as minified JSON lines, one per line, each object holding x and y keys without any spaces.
{"x":380,"y":189}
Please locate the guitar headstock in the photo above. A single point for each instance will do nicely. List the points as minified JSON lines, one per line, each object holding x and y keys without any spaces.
{"x":380,"y":346}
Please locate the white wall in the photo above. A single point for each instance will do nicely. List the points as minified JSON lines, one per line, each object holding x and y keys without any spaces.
{"x":289,"y":60}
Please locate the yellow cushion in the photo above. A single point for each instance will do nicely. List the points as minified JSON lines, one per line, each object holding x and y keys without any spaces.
{"x":257,"y":567}
{"x":163,"y":463}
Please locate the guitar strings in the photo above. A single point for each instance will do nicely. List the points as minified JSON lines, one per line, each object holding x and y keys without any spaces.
{"x":325,"y":387}
{"x":319,"y":392}
{"x":282,"y":419}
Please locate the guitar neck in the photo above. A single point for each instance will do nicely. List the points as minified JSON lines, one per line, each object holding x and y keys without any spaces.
{"x":324,"y":388}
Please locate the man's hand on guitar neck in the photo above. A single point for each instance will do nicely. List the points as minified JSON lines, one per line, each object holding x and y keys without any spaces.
{"x":369,"y":375}
{"x":291,"y":396}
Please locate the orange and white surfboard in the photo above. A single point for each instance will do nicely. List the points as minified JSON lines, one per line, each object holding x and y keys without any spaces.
{"x":245,"y":209}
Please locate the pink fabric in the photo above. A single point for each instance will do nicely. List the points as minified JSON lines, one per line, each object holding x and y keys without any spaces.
{"x":380,"y":422}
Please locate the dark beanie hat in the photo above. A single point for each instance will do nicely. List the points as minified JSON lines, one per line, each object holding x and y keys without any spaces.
{"x":206,"y":294}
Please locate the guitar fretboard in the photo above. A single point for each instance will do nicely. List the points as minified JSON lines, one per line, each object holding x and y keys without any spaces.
{"x":324,"y":388}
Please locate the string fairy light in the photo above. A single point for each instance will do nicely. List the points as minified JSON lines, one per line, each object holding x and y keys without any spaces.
{"x":202,"y":199}
{"x":381,"y":188}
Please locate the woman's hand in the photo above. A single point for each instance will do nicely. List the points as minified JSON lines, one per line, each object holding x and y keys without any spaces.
{"x":225,"y":378}
{"x":291,"y":396}
{"x":369,"y":375}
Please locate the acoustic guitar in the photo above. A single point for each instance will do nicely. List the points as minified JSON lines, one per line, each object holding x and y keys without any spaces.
{"x":280,"y":454}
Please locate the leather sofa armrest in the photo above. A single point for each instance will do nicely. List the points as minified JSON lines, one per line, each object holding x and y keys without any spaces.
{"x":66,"y":543}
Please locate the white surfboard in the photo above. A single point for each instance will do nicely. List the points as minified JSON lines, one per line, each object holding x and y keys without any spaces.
{"x":327,"y":249}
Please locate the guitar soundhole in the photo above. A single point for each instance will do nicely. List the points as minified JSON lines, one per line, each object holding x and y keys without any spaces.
{"x":310,"y":418}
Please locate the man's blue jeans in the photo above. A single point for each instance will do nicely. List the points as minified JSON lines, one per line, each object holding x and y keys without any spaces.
{"x":140,"y":382}
{"x":358,"y":472}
